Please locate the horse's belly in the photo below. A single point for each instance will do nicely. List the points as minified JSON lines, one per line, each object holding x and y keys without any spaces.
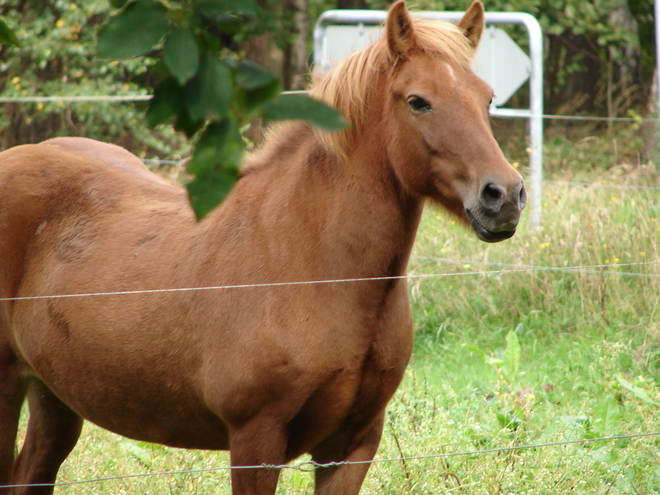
{"x":144,"y":389}
{"x":184,"y":425}
{"x":136,"y":405}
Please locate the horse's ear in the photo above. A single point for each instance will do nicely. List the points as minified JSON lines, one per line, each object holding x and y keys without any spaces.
{"x":473,"y":23}
{"x":400,"y":31}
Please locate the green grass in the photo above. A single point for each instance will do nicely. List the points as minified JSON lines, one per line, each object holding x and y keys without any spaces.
{"x":513,"y":358}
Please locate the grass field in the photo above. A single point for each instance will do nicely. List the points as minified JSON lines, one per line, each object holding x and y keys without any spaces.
{"x":521,"y":356}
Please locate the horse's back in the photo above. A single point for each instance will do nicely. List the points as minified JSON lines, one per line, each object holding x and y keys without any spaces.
{"x":71,"y":159}
{"x":109,"y":155}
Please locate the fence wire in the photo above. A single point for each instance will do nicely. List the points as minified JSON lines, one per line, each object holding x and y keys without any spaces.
{"x":599,"y":185}
{"x":307,"y":466}
{"x":589,"y":269}
{"x":147,"y":97}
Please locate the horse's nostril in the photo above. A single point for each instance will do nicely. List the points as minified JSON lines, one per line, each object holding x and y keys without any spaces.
{"x":523,"y":197}
{"x":493,"y":192}
{"x":492,"y":196}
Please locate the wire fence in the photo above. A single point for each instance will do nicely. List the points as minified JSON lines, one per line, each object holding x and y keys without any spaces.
{"x":600,"y":185}
{"x":601,"y":269}
{"x":307,"y":466}
{"x":147,"y":97}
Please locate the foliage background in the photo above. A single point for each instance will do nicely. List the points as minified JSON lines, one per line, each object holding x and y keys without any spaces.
{"x":57,"y":57}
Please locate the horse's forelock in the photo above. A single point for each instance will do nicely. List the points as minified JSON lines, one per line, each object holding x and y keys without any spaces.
{"x":352,"y":83}
{"x":444,"y":38}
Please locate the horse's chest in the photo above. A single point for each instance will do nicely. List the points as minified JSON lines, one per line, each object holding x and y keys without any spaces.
{"x":385,"y":360}
{"x":354,"y":396}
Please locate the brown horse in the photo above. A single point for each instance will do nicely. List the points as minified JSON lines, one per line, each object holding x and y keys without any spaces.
{"x":267,"y":371}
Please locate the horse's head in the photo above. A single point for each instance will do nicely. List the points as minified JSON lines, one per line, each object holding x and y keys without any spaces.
{"x":440,"y":142}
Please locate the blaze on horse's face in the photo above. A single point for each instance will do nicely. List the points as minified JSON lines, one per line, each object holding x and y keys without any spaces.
{"x":442,"y":145}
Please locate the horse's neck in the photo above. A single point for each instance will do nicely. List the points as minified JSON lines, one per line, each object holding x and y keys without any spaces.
{"x":331,"y":217}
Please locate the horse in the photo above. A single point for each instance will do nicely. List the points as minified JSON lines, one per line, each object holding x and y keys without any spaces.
{"x":278,"y":325}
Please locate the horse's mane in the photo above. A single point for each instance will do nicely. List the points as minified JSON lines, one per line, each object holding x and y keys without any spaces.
{"x":352,"y":83}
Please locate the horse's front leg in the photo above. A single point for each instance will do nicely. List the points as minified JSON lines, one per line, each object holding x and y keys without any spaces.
{"x":259,"y":441}
{"x":347,"y":479}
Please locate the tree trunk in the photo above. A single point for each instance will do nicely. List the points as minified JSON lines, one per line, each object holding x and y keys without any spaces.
{"x":262,"y":49}
{"x":299,"y":47}
{"x":295,"y":63}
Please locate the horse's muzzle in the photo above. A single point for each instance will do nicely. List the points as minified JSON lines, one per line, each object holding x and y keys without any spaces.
{"x":496,"y":215}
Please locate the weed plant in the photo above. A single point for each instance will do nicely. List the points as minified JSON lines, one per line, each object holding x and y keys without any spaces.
{"x":552,"y":336}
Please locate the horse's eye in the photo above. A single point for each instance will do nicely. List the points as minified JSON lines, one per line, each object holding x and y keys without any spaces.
{"x":419,"y":104}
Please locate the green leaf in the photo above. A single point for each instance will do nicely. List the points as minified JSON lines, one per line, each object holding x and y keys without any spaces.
{"x":208,"y":190}
{"x":257,"y":87}
{"x":133,"y":32}
{"x":181,"y":55}
{"x":185,"y":124}
{"x":7,"y":36}
{"x":607,"y":415}
{"x":220,"y":7}
{"x":166,"y":103}
{"x":300,"y":106}
{"x":638,"y":392}
{"x":210,"y":91}
{"x":512,"y":354}
{"x":208,"y":149}
{"x":118,"y":4}
{"x":510,"y":420}
{"x":475,"y":349}
{"x":251,"y":76}
{"x":215,"y":163}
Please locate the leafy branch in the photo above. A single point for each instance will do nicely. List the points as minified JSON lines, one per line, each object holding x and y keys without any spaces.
{"x":206,"y":88}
